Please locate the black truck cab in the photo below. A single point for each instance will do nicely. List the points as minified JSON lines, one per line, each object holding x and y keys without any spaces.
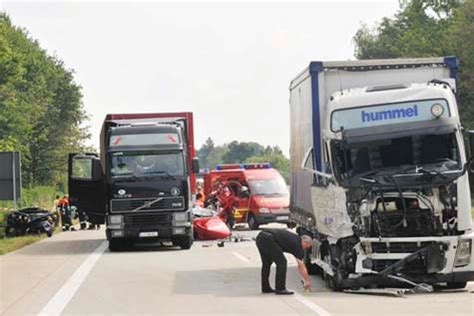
{"x":140,"y":187}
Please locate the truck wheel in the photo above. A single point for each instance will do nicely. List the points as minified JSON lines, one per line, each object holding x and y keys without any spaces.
{"x":116,"y":245}
{"x":186,"y":243}
{"x":253,"y":225}
{"x":313,"y":269}
{"x":332,"y":283}
{"x":456,"y":285}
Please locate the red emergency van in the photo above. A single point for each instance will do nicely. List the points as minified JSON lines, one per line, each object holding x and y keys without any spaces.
{"x":268,"y":201}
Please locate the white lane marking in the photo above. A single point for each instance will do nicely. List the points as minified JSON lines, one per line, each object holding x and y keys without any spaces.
{"x":306,"y":302}
{"x":312,"y":306}
{"x":242,"y":258}
{"x":60,"y":300}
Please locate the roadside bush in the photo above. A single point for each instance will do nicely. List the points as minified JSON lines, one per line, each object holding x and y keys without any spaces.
{"x":41,"y":196}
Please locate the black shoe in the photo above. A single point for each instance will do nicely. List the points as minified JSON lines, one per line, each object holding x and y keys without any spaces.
{"x":266,"y":291}
{"x":284,"y":292}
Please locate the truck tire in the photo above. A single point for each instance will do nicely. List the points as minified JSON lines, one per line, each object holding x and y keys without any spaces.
{"x":312,"y":268}
{"x":253,"y":225}
{"x":456,"y":285}
{"x":332,"y":283}
{"x":186,"y":243}
{"x":116,"y":245}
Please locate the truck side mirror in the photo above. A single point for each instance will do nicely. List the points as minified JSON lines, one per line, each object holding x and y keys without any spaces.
{"x":195,"y":165}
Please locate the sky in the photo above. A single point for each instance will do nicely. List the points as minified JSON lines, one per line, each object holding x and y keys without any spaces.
{"x":229,"y":63}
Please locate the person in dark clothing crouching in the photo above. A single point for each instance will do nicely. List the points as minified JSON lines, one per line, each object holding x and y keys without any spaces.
{"x":271,"y":244}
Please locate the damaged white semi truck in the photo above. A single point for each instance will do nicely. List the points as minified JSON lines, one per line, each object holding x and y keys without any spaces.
{"x":379,"y":173}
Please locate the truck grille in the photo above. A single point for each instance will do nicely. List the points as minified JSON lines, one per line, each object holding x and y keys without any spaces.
{"x":417,"y":266}
{"x":398,"y":247}
{"x":166,"y":203}
{"x":145,"y":221}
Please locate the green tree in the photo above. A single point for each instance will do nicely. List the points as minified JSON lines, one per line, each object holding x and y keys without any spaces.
{"x":239,"y":152}
{"x":41,"y":111}
{"x":427,"y":29}
{"x":418,"y":30}
{"x":210,"y":155}
{"x":277,"y":159}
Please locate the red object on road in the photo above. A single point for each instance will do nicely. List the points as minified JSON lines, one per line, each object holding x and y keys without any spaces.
{"x":210,"y":228}
{"x":208,"y":225}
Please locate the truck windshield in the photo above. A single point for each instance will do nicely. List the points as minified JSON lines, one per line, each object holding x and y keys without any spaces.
{"x":436,"y":153}
{"x":276,"y":186}
{"x":139,"y":164}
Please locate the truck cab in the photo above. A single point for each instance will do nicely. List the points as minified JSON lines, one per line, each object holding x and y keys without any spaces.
{"x":143,"y":184}
{"x":268,"y":201}
{"x":380,"y":173}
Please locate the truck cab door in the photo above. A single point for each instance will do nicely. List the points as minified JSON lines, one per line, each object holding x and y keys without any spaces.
{"x":87,"y":186}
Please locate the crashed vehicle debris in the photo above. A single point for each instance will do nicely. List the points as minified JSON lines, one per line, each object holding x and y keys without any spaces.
{"x":31,"y":220}
{"x":379,"y":173}
{"x":208,"y":225}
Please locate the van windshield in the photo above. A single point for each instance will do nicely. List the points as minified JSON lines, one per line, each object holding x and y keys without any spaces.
{"x":275,"y":186}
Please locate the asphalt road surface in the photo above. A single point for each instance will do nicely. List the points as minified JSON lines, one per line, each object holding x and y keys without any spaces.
{"x":74,"y":273}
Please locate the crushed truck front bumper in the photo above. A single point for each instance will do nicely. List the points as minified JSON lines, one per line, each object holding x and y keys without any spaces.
{"x":427,"y":259}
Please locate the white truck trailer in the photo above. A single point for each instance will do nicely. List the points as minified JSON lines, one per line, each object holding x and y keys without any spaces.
{"x":379,"y":173}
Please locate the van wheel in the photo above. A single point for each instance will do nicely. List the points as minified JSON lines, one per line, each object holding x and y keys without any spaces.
{"x":253,"y":225}
{"x":291,"y":225}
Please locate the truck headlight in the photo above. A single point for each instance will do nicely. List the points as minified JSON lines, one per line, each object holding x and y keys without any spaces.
{"x":115,"y":221}
{"x":437,"y":110}
{"x":463,"y":253}
{"x":181,"y":219}
{"x":263,"y":210}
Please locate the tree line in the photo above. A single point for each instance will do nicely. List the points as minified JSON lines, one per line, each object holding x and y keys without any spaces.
{"x":427,"y":29}
{"x":211,"y":154}
{"x":41,"y":110}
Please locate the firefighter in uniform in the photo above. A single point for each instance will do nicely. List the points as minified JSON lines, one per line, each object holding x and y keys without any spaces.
{"x":65,"y":212}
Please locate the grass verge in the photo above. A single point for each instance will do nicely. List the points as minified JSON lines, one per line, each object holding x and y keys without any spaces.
{"x":14,"y":243}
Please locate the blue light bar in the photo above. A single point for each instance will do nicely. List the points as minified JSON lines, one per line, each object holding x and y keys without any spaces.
{"x":229,"y":166}
{"x":264,"y":165}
